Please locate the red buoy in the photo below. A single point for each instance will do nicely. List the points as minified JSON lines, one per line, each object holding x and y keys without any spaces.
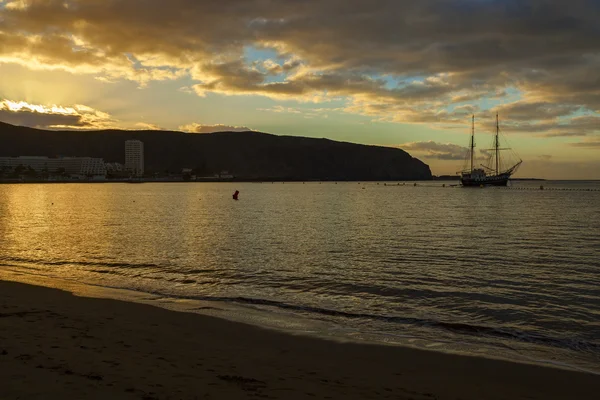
{"x":236,"y":194}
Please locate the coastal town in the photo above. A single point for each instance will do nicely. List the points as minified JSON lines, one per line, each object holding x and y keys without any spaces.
{"x":22,"y":169}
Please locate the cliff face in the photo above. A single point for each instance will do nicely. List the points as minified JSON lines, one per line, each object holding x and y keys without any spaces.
{"x":247,"y":155}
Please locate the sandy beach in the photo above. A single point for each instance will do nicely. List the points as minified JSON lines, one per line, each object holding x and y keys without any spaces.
{"x":54,"y":345}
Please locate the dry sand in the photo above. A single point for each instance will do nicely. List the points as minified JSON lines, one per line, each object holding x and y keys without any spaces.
{"x":54,"y":345}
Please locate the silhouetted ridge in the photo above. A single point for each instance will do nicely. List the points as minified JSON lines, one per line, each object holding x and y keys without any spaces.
{"x":247,"y":155}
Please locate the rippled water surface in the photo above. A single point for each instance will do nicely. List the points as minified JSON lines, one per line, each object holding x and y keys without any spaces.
{"x":501,"y":272}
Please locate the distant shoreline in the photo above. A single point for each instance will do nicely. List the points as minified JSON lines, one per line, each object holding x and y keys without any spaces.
{"x":204,"y":181}
{"x":530,"y":179}
{"x":274,"y":180}
{"x":456,"y":178}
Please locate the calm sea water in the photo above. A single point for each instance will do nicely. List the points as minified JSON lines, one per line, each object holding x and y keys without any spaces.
{"x":513,"y":273}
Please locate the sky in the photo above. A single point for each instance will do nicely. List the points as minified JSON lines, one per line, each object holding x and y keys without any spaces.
{"x":406,"y":74}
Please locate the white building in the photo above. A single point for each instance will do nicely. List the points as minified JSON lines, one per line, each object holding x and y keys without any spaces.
{"x":85,"y":166}
{"x":134,"y":157}
{"x":91,"y":166}
{"x":39,"y":164}
{"x":114,"y":167}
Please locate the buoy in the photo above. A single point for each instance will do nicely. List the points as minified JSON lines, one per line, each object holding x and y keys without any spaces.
{"x":541,"y":187}
{"x":236,"y":194}
{"x":415,"y":184}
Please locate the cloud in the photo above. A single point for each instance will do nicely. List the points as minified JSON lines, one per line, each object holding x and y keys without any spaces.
{"x":581,"y":125}
{"x":148,"y":126}
{"x":590,"y":144}
{"x":398,"y":61}
{"x":440,"y":151}
{"x":201,"y":128}
{"x":275,"y":68}
{"x":281,"y":110}
{"x":536,"y":110}
{"x":560,"y":169}
{"x":54,"y":116}
{"x":186,"y":89}
{"x":305,"y":112}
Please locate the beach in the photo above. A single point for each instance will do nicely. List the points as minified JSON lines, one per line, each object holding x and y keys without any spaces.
{"x":54,"y":345}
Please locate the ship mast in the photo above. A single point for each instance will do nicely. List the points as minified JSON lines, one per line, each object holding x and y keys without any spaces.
{"x":472,"y":141}
{"x":497,"y":144}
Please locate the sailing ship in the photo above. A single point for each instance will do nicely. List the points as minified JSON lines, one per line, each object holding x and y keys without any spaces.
{"x":493,"y":174}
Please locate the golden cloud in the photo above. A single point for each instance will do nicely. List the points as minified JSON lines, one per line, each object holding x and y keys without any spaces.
{"x":54,"y":116}
{"x":204,"y":128}
{"x":397,"y":61}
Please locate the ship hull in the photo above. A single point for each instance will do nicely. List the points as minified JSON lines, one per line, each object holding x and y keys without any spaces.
{"x":501,"y":180}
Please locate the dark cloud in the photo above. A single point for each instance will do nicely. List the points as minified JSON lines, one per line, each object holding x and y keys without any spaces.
{"x":40,"y":120}
{"x":460,"y":52}
{"x":581,"y":125}
{"x":538,"y":110}
{"x":53,"y":117}
{"x":429,"y":36}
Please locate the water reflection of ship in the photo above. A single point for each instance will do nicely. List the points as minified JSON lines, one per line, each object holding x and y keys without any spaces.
{"x":492,"y":174}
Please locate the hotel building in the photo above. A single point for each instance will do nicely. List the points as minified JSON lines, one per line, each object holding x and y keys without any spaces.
{"x":134,"y":157}
{"x":84,"y":166}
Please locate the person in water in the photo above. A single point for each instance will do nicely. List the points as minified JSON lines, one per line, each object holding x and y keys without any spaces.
{"x":236,"y":194}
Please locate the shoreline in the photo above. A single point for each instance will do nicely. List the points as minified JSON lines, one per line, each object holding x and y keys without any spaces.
{"x":70,"y":345}
{"x":438,"y":182}
{"x":286,"y":323}
{"x":208,"y":180}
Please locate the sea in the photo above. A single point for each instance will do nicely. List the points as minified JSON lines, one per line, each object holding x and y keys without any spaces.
{"x":510,"y":273}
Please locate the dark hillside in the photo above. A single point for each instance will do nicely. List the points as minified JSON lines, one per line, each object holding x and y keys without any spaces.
{"x":247,"y":155}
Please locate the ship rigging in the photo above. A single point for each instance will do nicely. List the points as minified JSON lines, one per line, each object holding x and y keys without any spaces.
{"x":492,"y":174}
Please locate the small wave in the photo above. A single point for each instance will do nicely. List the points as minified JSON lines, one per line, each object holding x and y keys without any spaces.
{"x":461,"y":328}
{"x":526,"y":336}
{"x":81,"y":263}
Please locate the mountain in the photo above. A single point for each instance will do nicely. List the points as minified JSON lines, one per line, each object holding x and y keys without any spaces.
{"x":247,"y":155}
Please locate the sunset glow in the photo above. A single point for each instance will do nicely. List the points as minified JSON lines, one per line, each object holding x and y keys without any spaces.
{"x":384,"y":73}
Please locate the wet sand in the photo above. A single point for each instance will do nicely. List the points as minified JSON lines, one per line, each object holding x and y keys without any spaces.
{"x":54,"y":345}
